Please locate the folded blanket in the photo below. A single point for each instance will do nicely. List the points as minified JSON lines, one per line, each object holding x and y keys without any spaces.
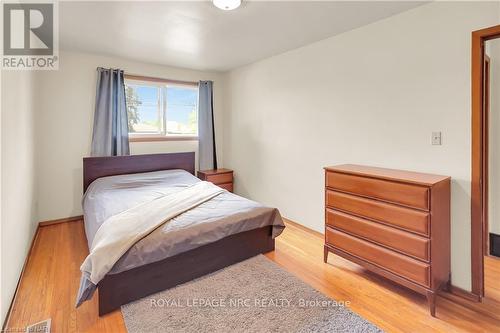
{"x":121,"y":231}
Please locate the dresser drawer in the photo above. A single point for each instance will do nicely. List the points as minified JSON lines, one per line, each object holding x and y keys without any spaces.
{"x":405,"y":218}
{"x":227,"y":186}
{"x":394,"y":262}
{"x":407,"y":243}
{"x":405,"y":194}
{"x":220,"y":178}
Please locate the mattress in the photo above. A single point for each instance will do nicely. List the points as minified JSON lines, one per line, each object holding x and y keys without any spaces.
{"x":226,"y":214}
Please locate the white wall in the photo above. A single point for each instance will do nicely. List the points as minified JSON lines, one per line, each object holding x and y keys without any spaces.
{"x":18,"y":219}
{"x":369,"y":96}
{"x":65,"y":109}
{"x":493,"y":50}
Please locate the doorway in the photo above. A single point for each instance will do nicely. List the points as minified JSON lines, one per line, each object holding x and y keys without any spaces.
{"x":491,"y":202}
{"x":485,"y":182}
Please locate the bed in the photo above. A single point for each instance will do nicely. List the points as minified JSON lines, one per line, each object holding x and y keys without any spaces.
{"x":219,"y":232}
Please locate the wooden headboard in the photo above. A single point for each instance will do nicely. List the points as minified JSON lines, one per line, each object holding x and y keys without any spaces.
{"x":97,"y":167}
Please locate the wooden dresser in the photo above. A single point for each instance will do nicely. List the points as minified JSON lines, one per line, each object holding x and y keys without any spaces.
{"x":394,"y":223}
{"x":220,"y":177}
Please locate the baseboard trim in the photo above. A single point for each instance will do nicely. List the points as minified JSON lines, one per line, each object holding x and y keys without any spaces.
{"x":63,"y":220}
{"x":453,"y":292}
{"x":28,"y":256}
{"x":300,"y":226}
{"x":468,"y":295}
{"x":468,"y":300}
{"x":494,"y":245}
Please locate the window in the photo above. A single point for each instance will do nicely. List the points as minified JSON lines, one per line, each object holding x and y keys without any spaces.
{"x":161,"y":110}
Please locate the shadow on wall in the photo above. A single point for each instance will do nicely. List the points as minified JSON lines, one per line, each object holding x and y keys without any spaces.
{"x":460,"y":197}
{"x":77,"y":192}
{"x":253,"y":171}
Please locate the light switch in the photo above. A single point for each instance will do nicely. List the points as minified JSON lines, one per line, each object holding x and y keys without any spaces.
{"x":436,"y":138}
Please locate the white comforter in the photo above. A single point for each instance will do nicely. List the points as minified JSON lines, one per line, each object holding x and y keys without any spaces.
{"x":120,"y":232}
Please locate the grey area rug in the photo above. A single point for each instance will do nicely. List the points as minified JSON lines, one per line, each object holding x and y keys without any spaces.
{"x":255,"y":295}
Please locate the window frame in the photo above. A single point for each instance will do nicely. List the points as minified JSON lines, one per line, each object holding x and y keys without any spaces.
{"x":161,"y":83}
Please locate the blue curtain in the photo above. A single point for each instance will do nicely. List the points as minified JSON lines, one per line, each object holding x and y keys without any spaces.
{"x":207,"y":155}
{"x":110,"y":134}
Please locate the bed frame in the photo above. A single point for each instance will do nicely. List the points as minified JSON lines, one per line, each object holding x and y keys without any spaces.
{"x":122,"y":288}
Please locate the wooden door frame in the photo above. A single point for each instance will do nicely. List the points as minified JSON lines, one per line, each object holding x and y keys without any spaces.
{"x":478,"y":156}
{"x":486,"y":140}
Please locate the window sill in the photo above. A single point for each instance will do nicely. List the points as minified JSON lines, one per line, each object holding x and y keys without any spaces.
{"x":161,"y":138}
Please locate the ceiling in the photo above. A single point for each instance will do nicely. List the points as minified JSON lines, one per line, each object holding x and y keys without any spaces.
{"x":199,"y":36}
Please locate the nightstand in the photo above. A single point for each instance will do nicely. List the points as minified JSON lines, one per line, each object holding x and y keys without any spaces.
{"x":220,"y":177}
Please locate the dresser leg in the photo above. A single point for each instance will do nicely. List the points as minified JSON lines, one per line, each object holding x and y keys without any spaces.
{"x":325,"y":254}
{"x":431,"y":300}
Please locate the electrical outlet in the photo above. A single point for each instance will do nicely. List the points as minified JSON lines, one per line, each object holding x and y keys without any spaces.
{"x":436,"y":138}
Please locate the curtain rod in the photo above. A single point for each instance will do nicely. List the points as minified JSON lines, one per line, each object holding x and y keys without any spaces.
{"x":156,"y":79}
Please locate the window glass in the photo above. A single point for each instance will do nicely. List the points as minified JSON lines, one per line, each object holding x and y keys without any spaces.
{"x":182,"y":111}
{"x":143,"y":109}
{"x":161,"y":109}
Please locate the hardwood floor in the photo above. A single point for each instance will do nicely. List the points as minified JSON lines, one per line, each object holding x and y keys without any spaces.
{"x":50,"y":282}
{"x":492,"y":277}
{"x":492,"y":280}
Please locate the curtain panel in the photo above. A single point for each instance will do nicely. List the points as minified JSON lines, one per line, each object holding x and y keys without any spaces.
{"x":110,"y":133}
{"x":207,"y":155}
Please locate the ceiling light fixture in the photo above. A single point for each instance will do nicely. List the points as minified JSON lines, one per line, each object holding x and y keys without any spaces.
{"x":226,"y":4}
